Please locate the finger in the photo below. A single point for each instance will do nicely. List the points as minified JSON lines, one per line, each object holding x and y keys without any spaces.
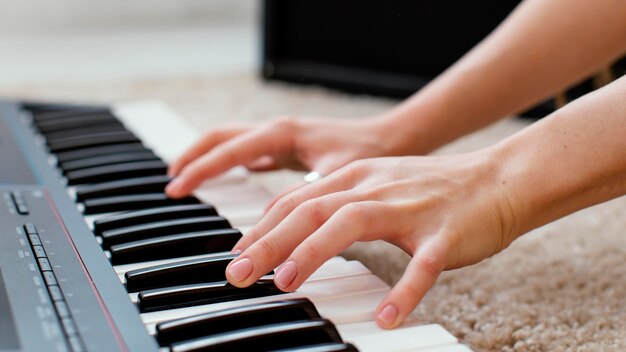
{"x":271,"y":250}
{"x":239,"y":150}
{"x":289,"y":190}
{"x":203,"y":145}
{"x":287,"y":204}
{"x":419,"y":276}
{"x":353,"y":222}
{"x":264,"y":163}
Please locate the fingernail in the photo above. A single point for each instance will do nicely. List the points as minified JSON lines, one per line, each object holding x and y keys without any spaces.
{"x":174,"y":186}
{"x":241,"y":269}
{"x":236,"y":251}
{"x":388,"y":314}
{"x":285,"y":274}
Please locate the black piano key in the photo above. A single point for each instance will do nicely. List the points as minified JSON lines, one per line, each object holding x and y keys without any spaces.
{"x":137,"y":185}
{"x":91,"y":140}
{"x":71,"y":122}
{"x":148,"y":215}
{"x":114,"y":126}
{"x":51,"y":111}
{"x":97,"y":151}
{"x":204,"y":293}
{"x":132,"y":202}
{"x":265,"y":338}
{"x":244,"y":317}
{"x":162,"y":228}
{"x":325,"y":347}
{"x":110,"y":159}
{"x":184,"y":272}
{"x":116,"y":172}
{"x":174,"y":246}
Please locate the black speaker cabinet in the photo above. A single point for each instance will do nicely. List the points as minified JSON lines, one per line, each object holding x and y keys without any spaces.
{"x":389,"y":48}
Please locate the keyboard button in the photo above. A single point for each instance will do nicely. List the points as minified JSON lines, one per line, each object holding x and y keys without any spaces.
{"x":62,"y":309}
{"x":50,"y":278}
{"x":266,"y":338}
{"x":92,"y":140}
{"x":151,"y":215}
{"x":204,"y":293}
{"x":175,"y":246}
{"x":19,"y":203}
{"x":69,"y":326}
{"x":111,"y":159}
{"x":116,"y":172}
{"x":30,"y":229}
{"x":34,"y":240}
{"x":44,"y":264}
{"x":243,"y":317}
{"x":163,"y":228}
{"x":180,"y":273}
{"x":132,"y":202}
{"x":97,"y":151}
{"x":76,"y":344}
{"x":39,"y":252}
{"x":55,"y":293}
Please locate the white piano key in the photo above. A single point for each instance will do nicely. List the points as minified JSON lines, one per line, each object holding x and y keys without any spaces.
{"x":368,"y":337}
{"x":316,"y":291}
{"x":231,"y":193}
{"x":349,"y":309}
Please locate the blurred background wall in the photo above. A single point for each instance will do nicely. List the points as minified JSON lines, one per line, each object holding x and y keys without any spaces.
{"x":85,"y":40}
{"x":27,"y":16}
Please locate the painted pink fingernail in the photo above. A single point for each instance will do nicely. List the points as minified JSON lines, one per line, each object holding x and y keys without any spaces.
{"x":241,"y":269}
{"x":174,"y":186}
{"x":388,"y":314}
{"x":285,"y":274}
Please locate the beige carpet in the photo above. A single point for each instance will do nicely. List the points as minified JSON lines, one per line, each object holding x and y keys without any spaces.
{"x":559,"y":288}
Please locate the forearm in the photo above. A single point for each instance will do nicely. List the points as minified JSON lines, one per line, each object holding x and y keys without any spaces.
{"x":542,"y":47}
{"x":571,"y":160}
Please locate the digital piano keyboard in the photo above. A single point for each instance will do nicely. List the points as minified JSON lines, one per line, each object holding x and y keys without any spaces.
{"x":94,"y":257}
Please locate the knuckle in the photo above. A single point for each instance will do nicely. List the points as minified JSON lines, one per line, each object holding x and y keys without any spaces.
{"x":356,"y":211}
{"x":284,"y":123}
{"x":429,"y":263}
{"x":286,"y":205}
{"x":357,"y":168}
{"x":312,"y":211}
{"x":310,"y":252}
{"x":267,"y":250}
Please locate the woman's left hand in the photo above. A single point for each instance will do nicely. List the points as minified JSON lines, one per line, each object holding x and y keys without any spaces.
{"x":446,"y":212}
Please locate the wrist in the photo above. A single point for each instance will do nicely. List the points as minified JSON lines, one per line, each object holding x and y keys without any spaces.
{"x":405,"y":132}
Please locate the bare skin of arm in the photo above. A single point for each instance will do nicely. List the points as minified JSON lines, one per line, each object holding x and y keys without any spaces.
{"x":446,"y":211}
{"x":542,"y":47}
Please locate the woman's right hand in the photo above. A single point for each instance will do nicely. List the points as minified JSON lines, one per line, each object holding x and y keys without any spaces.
{"x":322,"y":145}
